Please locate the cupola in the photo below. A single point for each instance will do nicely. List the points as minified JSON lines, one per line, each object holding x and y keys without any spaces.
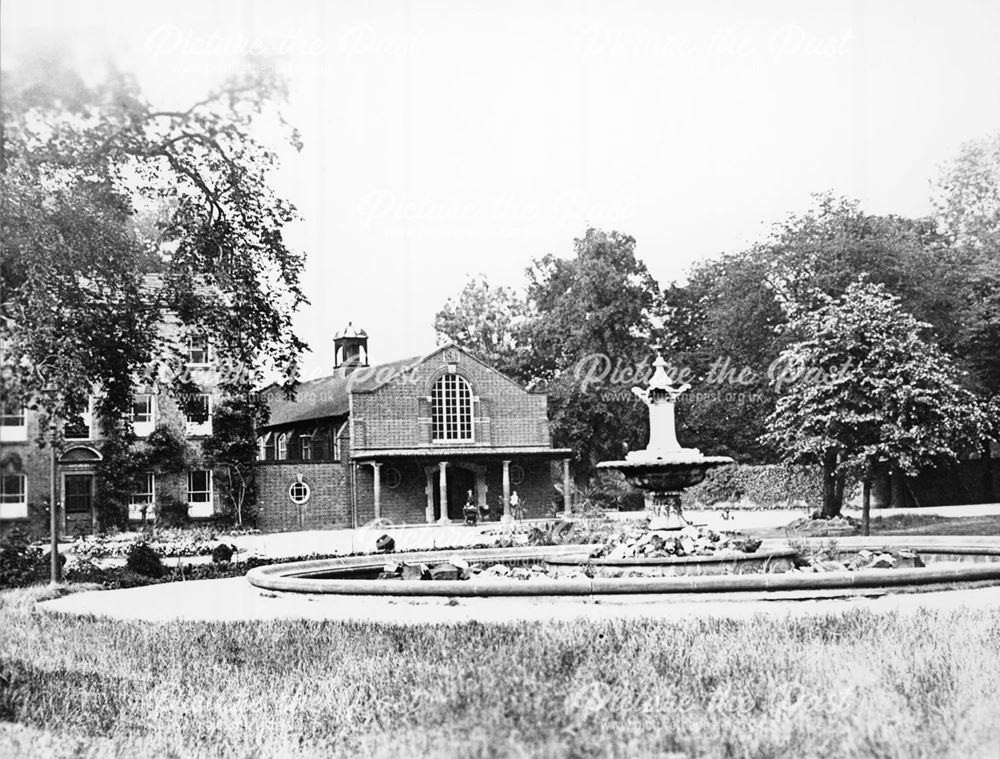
{"x":350,"y":348}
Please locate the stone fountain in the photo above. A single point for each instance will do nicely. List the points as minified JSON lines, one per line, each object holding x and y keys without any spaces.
{"x":664,"y":469}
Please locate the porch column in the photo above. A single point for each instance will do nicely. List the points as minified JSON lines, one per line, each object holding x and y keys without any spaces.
{"x":481,"y":489}
{"x":377,"y":487}
{"x":443,"y":487}
{"x":507,"y":517}
{"x":429,"y":515}
{"x":567,"y":492}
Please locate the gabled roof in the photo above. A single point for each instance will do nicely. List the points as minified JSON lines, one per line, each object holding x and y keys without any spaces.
{"x":330,"y":396}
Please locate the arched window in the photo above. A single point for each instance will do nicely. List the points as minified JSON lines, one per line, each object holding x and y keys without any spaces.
{"x":282,"y":446}
{"x":451,"y":409}
{"x":265,"y":447}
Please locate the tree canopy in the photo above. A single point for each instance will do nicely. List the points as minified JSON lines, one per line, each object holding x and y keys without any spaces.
{"x":488,"y":320}
{"x":592,"y":318}
{"x":967,"y":201}
{"x":863,"y":385}
{"x":736,"y":307}
{"x":99,"y":189}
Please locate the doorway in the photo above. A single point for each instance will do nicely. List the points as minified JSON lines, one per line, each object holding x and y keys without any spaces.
{"x":460,"y":482}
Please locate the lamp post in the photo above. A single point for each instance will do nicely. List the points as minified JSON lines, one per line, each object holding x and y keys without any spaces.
{"x":51,"y":391}
{"x":54,"y":574}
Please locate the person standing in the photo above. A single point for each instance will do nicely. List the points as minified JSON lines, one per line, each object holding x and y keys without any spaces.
{"x":470,"y":509}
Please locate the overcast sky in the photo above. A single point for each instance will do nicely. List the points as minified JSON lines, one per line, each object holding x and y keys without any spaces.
{"x":446,"y":139}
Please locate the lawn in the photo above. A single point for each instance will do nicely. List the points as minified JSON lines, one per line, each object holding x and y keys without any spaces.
{"x":920,"y":524}
{"x":912,"y":524}
{"x":851,"y":684}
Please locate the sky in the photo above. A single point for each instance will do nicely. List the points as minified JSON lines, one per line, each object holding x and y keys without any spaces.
{"x":451,"y":138}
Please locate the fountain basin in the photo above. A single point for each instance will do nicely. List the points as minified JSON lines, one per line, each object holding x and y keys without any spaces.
{"x":666,"y":475}
{"x":981,"y":563}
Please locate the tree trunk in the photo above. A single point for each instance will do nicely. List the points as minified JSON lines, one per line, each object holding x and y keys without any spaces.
{"x":866,"y":502}
{"x":232,"y":495}
{"x":989,"y":493}
{"x":831,"y":505}
{"x":897,"y":498}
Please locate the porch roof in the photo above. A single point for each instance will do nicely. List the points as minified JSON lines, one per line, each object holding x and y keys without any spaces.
{"x":462,"y":452}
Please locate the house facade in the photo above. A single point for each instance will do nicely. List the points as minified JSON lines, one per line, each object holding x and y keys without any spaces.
{"x":30,"y":470}
{"x":409,"y":441}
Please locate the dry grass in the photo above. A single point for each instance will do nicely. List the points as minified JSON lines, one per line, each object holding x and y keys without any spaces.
{"x":852,"y":684}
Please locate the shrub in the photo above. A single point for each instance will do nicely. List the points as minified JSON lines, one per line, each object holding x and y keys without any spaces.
{"x":609,"y":490}
{"x":772,"y":486}
{"x":222,"y":553}
{"x":145,"y":561}
{"x":86,"y":571}
{"x":171,"y":510}
{"x":20,"y":562}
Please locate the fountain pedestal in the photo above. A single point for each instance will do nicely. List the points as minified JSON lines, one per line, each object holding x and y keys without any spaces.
{"x":665,"y":511}
{"x":664,"y":468}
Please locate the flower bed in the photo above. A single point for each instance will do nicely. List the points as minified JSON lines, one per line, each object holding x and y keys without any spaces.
{"x":167,"y":542}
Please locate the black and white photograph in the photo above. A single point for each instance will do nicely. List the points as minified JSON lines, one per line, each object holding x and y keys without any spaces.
{"x":496,"y":378}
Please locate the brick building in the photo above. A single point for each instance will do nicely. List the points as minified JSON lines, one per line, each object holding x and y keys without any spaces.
{"x":28,"y":469}
{"x":406,"y":441}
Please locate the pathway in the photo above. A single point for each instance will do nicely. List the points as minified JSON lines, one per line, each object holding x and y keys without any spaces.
{"x":235,"y":599}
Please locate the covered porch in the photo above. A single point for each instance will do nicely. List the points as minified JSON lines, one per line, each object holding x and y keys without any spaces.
{"x":432,"y":485}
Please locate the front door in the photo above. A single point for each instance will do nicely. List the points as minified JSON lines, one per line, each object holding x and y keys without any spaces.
{"x":79,"y":494}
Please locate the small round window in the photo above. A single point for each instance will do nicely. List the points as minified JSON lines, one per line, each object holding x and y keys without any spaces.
{"x":298,"y":492}
{"x":392,"y":477}
{"x":516,"y":475}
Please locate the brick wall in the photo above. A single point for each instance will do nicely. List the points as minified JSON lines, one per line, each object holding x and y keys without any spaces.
{"x":404,"y":504}
{"x":329,"y":504}
{"x":398,"y":415}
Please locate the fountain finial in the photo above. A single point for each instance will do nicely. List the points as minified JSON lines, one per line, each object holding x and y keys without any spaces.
{"x":660,"y":383}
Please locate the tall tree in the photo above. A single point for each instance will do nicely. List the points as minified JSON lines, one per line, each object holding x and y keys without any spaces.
{"x":725,"y":326}
{"x":863,"y":387}
{"x":78,"y":163}
{"x":967,"y":196}
{"x":232,"y":448}
{"x":967,"y":204}
{"x":820,"y":252}
{"x":590,"y":325}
